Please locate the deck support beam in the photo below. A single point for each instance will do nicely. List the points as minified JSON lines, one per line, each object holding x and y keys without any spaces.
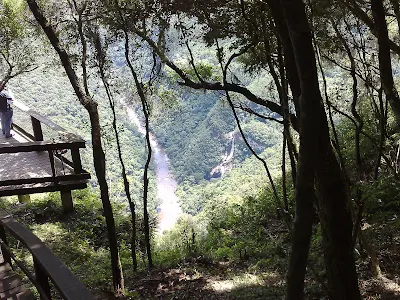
{"x":24,"y":198}
{"x":67,"y":202}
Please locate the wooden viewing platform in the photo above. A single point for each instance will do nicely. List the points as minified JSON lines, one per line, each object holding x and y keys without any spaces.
{"x":33,"y":163}
{"x":29,"y":163}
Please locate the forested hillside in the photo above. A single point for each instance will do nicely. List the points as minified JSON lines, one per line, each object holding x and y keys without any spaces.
{"x":47,"y":92}
{"x":267,"y":140}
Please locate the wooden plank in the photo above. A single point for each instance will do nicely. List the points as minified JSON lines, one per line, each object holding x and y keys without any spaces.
{"x":25,"y":295}
{"x":40,"y":146}
{"x":52,"y":165}
{"x":44,"y":179}
{"x":66,"y":161}
{"x":6,"y":258}
{"x":67,"y":201}
{"x":20,"y":291}
{"x":44,"y":120}
{"x":28,"y":165}
{"x":42,"y":279}
{"x":16,"y":290}
{"x":37,"y":129}
{"x":4,"y":268}
{"x":69,"y":163}
{"x":42,"y":188}
{"x":9,"y":282}
{"x":64,"y":281}
{"x":6,"y":274}
{"x":76,"y":158}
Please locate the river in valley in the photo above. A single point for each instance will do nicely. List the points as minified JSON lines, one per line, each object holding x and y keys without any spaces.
{"x":169,"y":209}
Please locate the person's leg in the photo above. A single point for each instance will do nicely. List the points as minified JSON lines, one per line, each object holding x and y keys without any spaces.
{"x":8,"y":122}
{"x":3,"y":122}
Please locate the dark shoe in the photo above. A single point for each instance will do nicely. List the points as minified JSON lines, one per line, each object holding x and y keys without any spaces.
{"x":8,"y":136}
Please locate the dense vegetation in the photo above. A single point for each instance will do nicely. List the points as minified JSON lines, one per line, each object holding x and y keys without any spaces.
{"x":305,"y":97}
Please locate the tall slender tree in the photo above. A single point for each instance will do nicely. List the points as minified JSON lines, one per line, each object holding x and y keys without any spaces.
{"x":98,"y":154}
{"x":101,"y":54}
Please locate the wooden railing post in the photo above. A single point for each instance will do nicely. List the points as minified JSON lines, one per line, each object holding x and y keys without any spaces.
{"x":24,"y":198}
{"x":67,"y":202}
{"x":52,"y":165}
{"x":42,"y":279}
{"x":76,"y":159}
{"x":3,"y":237}
{"x":37,"y":129}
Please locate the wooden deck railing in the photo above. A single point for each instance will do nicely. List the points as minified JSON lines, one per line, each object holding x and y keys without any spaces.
{"x":64,"y":139}
{"x":47,"y":267}
{"x":60,"y":143}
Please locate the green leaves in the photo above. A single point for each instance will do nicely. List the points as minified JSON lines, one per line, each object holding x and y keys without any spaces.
{"x":11,"y":21}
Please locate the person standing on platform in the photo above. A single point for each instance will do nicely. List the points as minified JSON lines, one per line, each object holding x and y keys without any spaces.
{"x":6,"y":98}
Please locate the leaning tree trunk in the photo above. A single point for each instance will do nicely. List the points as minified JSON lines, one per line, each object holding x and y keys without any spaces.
{"x":385,"y":62}
{"x":98,"y":153}
{"x":317,"y":156}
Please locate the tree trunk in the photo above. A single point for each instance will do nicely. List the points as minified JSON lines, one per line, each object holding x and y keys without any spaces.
{"x":382,"y":134}
{"x":146,"y":168}
{"x":304,"y":183}
{"x":290,"y":64}
{"x":385,"y":63}
{"x":358,"y":12}
{"x":100,"y":168}
{"x":284,"y":192}
{"x":376,"y":269}
{"x":145,"y":175}
{"x":100,"y":53}
{"x":98,"y":153}
{"x":396,"y":9}
{"x":302,"y":227}
{"x":317,"y":156}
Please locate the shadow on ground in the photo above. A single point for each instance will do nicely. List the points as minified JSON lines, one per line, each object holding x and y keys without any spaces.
{"x":194,"y":282}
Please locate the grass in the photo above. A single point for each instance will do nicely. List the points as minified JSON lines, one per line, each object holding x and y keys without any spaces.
{"x":80,"y":240}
